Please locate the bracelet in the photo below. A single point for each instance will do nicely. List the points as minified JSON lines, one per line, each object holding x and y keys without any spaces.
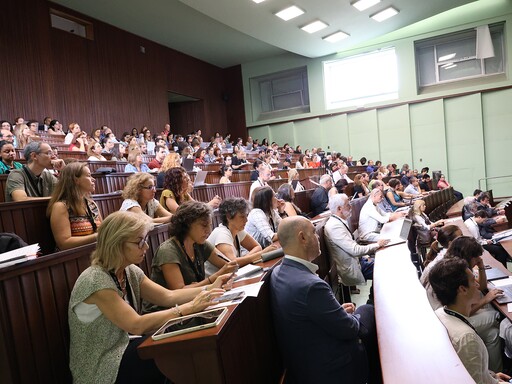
{"x":178,"y":312}
{"x":209,"y":280}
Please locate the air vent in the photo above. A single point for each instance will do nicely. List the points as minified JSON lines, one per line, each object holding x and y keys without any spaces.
{"x":71,"y":24}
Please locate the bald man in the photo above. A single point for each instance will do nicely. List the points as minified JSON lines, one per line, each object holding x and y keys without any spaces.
{"x":320,"y":340}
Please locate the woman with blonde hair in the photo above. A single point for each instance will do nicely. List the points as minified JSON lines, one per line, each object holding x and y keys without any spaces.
{"x":135,"y":163}
{"x":104,"y":307}
{"x":74,"y":216}
{"x":172,"y":160}
{"x":139,"y":197}
{"x":422,"y":223}
{"x":293,"y":180}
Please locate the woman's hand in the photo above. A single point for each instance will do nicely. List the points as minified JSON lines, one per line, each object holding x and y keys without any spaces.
{"x":230,"y":267}
{"x":224,"y":281}
{"x":270,"y":248}
{"x":214,"y":203}
{"x":204,"y":299}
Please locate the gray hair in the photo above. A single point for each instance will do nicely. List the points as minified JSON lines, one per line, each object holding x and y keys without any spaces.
{"x":230,"y":207}
{"x":33,"y":146}
{"x":324,"y":179}
{"x":337,"y":200}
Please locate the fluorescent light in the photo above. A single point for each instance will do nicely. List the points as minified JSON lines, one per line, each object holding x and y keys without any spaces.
{"x":336,"y":36}
{"x":446,"y":57}
{"x":385,"y":14}
{"x":447,"y":64}
{"x":289,"y":13}
{"x":315,"y":26}
{"x":364,"y":4}
{"x":258,"y":1}
{"x":450,"y":66}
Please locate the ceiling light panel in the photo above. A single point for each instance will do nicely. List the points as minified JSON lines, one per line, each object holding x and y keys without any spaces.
{"x":289,"y":13}
{"x":315,"y":26}
{"x":335,"y":37}
{"x":385,"y":14}
{"x":361,"y":5}
{"x":258,"y":1}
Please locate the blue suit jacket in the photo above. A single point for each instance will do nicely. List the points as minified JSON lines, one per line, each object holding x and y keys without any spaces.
{"x":318,"y":339}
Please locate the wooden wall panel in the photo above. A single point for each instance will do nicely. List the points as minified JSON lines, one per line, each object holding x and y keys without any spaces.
{"x":107,"y":80}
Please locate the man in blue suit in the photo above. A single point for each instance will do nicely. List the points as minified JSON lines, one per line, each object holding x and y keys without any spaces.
{"x":320,"y":340}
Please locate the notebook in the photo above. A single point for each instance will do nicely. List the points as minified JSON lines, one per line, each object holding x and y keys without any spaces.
{"x":200,"y":178}
{"x":396,"y":231}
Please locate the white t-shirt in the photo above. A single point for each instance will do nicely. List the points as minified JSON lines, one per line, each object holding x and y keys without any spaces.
{"x":150,"y":208}
{"x":222,"y":235}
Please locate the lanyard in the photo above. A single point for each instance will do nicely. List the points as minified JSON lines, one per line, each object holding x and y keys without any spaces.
{"x":348,"y":229}
{"x":460,"y":317}
{"x":127,"y":289}
{"x":194,"y":265}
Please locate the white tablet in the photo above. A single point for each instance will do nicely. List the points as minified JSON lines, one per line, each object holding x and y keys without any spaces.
{"x":190,"y":323}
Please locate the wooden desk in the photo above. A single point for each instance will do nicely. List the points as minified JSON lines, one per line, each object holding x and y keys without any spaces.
{"x":242,"y":348}
{"x":414,"y":346}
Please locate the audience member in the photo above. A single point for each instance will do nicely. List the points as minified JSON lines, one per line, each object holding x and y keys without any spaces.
{"x":456,"y":287}
{"x":179,"y":261}
{"x":95,"y":153}
{"x":34,"y":179}
{"x":139,"y":197}
{"x":261,"y":181}
{"x":320,"y":340}
{"x":226,"y":171}
{"x":483,"y":203}
{"x":264,"y":218}
{"x":230,"y":237}
{"x":320,"y":197}
{"x":104,"y":307}
{"x":7,"y":155}
{"x":156,"y":163}
{"x":421,"y":222}
{"x":443,"y":184}
{"x":118,"y":152}
{"x":293,"y":180}
{"x":372,"y":218}
{"x":74,"y":216}
{"x":135,"y":164}
{"x":286,"y":193}
{"x":424,"y":183}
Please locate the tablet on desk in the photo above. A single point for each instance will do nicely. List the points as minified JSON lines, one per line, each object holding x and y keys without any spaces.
{"x":190,"y":323}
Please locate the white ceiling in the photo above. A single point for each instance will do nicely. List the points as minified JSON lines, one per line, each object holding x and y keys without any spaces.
{"x":231,"y":32}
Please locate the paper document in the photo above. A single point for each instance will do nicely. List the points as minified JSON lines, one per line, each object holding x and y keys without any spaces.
{"x":19,"y":255}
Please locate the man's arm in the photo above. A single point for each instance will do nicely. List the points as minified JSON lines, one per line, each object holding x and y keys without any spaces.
{"x":326,"y":312}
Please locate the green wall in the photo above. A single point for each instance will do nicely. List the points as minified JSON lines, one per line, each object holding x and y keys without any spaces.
{"x":466,"y":137}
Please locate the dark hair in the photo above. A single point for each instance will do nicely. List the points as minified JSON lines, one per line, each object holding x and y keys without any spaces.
{"x":263,"y":199}
{"x":173,"y":181}
{"x":446,"y":277}
{"x":230,"y":207}
{"x":465,"y":247}
{"x":53,"y":122}
{"x":393,"y":183}
{"x":257,"y":163}
{"x":477,"y":192}
{"x":285,"y":192}
{"x":4,"y":142}
{"x":425,"y":176}
{"x":187,"y":214}
{"x":362,"y":160}
{"x":481,"y":213}
{"x":483,"y":196}
{"x":158,"y":148}
{"x":224,"y":168}
{"x":444,"y":237}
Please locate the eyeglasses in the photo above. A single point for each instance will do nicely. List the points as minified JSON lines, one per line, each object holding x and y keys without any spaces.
{"x":141,"y":243}
{"x":49,"y":153}
{"x":149,"y":187}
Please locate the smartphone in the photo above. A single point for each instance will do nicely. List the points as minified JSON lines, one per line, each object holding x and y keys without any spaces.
{"x":229,"y":297}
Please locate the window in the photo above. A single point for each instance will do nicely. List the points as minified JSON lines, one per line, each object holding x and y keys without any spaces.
{"x":280,"y":94}
{"x":361,"y":79}
{"x":454,"y":57}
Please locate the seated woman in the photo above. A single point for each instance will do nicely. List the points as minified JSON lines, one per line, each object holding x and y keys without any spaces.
{"x":172,"y":160}
{"x":293,"y":180}
{"x":443,"y":184}
{"x":199,"y":156}
{"x":139,"y":197}
{"x":74,"y":216}
{"x":104,"y":306}
{"x":95,"y":153}
{"x":360,"y":186}
{"x":135,"y":163}
{"x":8,"y":153}
{"x":179,"y":261}
{"x":229,"y":237}
{"x":177,"y":188}
{"x":395,"y":196}
{"x":422,"y":223}
{"x":226,"y":172}
{"x":118,"y":152}
{"x":264,"y":218}
{"x":287,"y":194}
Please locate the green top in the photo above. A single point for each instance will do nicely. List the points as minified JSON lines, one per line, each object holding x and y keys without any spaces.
{"x":96,"y":348}
{"x":4,"y":168}
{"x":171,"y":252}
{"x":33,"y":186}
